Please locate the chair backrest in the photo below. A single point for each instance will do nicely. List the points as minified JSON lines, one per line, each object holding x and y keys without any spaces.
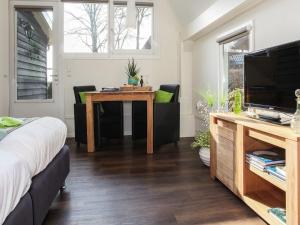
{"x":173,"y":88}
{"x":79,"y":89}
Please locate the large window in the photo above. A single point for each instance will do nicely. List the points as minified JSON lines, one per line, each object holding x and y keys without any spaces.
{"x":139,"y":38}
{"x":233,"y":48}
{"x":86,"y":27}
{"x":93,"y":28}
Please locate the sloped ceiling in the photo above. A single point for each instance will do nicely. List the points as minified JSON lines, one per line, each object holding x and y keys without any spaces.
{"x":188,"y":10}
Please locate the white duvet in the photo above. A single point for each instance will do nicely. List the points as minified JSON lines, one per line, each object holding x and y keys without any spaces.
{"x":37,"y":143}
{"x":24,"y":153}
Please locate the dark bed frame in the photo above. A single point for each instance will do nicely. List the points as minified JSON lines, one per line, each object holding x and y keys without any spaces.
{"x":33,"y":207}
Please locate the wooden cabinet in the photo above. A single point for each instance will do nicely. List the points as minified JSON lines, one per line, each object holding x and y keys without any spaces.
{"x":232,"y":137}
{"x":225,"y":152}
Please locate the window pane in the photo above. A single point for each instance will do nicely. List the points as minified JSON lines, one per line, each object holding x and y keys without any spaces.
{"x":233,"y":59}
{"x":34,"y":53}
{"x":86,"y":27}
{"x":133,"y":39}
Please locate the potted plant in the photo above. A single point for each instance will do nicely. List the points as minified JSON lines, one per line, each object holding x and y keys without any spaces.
{"x":202,"y":142}
{"x":132,"y":73}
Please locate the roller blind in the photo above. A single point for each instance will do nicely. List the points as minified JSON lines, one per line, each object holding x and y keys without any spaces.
{"x":145,"y":4}
{"x":241,"y":32}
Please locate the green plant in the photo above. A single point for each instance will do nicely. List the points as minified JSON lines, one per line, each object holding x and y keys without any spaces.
{"x":223,"y":100}
{"x":132,"y":70}
{"x":209,"y":98}
{"x":202,"y":140}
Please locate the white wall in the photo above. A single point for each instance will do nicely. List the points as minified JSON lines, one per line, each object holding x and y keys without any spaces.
{"x":4,"y":63}
{"x":162,"y":70}
{"x":275,"y":22}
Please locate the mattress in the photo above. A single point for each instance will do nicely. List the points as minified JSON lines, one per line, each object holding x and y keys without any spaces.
{"x":36,"y":143}
{"x":15,"y":181}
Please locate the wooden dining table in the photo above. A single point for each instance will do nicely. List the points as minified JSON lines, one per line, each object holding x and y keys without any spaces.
{"x":97,"y":96}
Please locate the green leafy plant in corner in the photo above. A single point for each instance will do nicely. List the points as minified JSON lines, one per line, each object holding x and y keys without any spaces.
{"x":209,"y":98}
{"x":132,"y":71}
{"x":202,"y":140}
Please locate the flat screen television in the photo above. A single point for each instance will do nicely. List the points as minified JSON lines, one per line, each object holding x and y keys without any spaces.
{"x":272,"y":76}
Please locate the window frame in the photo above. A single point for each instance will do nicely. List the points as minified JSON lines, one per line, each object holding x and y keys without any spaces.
{"x":119,"y":53}
{"x":228,"y":37}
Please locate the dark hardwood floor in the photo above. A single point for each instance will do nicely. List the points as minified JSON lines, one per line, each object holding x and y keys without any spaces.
{"x":121,"y":185}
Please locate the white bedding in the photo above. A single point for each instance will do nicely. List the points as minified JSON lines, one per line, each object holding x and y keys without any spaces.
{"x":14,"y":182}
{"x":24,"y":153}
{"x":37,"y":143}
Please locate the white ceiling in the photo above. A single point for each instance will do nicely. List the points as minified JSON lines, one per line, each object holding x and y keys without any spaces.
{"x":188,"y":10}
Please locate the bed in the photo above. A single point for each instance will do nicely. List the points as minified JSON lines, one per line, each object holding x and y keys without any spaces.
{"x":34,"y":163}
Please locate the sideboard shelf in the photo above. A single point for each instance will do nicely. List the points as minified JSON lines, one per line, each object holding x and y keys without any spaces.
{"x":232,"y":136}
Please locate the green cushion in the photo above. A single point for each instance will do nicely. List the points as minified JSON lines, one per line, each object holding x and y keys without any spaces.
{"x":163,"y":96}
{"x":82,"y":97}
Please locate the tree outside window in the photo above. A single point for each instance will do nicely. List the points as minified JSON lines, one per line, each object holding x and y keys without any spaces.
{"x":86,"y":28}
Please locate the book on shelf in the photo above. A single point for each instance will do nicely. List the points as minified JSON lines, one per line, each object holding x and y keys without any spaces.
{"x":267,"y":157}
{"x":279,"y":214}
{"x":281,"y":170}
{"x":255,"y":165}
{"x":273,"y":170}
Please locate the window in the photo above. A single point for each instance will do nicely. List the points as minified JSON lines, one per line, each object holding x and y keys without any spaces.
{"x":233,"y":48}
{"x":87,"y":25}
{"x":130,"y":39}
{"x":34,"y":55}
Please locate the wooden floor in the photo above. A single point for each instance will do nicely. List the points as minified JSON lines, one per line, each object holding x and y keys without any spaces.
{"x":121,"y":185}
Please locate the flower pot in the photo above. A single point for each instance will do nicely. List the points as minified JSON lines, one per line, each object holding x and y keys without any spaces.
{"x":204,"y":154}
{"x":133,"y":81}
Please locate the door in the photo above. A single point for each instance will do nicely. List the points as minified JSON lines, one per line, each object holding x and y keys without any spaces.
{"x":35,"y":82}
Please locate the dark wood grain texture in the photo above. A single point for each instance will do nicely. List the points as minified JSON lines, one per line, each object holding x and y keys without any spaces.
{"x":120,"y":185}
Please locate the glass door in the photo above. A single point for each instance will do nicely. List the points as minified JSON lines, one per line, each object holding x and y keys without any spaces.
{"x":35,"y":80}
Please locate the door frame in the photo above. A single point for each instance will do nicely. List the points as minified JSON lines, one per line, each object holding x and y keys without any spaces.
{"x":57,"y":53}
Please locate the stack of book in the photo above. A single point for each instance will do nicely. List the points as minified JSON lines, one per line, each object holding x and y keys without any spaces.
{"x":278,"y":171}
{"x":270,"y":160}
{"x":279,"y":214}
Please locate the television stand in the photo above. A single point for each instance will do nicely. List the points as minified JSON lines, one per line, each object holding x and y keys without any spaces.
{"x":232,"y":137}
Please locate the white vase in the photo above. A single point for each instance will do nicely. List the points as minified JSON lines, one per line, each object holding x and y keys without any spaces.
{"x":204,"y":154}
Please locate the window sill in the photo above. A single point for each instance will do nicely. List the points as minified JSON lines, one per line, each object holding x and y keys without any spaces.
{"x":115,"y":56}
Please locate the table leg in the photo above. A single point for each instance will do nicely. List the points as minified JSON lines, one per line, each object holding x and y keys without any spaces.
{"x":150,"y":126}
{"x":90,"y":124}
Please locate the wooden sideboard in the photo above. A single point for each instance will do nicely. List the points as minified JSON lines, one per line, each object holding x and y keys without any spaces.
{"x":232,"y":136}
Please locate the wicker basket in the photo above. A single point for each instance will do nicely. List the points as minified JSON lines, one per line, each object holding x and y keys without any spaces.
{"x":135,"y":88}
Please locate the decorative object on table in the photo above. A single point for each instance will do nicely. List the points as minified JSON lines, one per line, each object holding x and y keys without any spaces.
{"x":128,"y":87}
{"x":132,"y":72}
{"x":231,"y":99}
{"x":295,"y":123}
{"x":202,"y":141}
{"x":223,"y":103}
{"x":237,"y":106}
{"x":142,"y":81}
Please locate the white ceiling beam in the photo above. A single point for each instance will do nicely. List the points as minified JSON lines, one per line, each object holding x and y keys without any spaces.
{"x":219,"y":13}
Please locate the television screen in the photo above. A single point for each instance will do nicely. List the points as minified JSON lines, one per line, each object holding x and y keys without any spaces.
{"x":272,"y":77}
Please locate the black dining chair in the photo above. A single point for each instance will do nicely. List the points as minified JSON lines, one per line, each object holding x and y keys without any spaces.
{"x":166,"y":118}
{"x":108,"y":118}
